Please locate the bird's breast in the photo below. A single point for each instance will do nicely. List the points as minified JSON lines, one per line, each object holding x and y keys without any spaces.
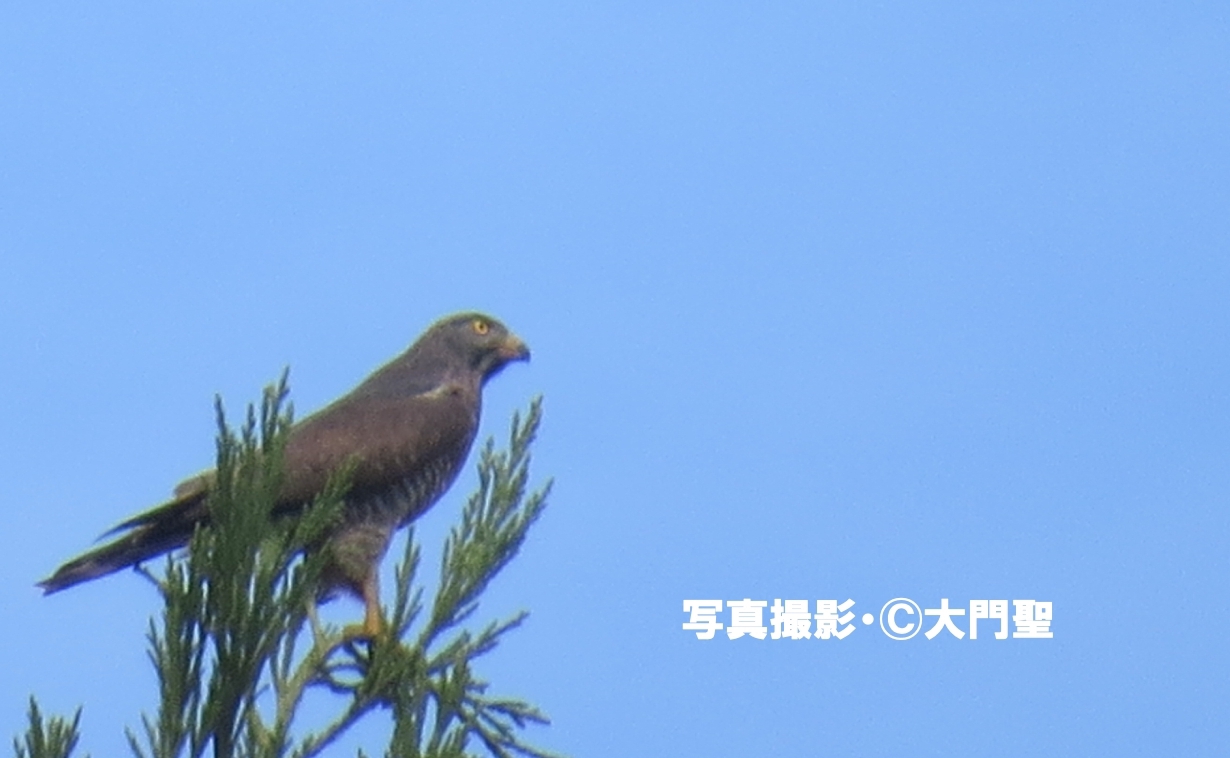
{"x":407,"y":497}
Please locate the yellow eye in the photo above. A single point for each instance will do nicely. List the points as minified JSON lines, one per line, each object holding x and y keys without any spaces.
{"x":481,"y":327}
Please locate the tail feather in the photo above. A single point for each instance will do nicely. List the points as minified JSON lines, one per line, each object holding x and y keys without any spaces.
{"x":153,"y":533}
{"x":128,"y":550}
{"x":186,"y":505}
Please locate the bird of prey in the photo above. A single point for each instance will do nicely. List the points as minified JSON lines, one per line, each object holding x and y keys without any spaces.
{"x":407,"y":428}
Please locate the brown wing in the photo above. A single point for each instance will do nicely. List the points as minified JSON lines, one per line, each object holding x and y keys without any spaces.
{"x":388,"y":439}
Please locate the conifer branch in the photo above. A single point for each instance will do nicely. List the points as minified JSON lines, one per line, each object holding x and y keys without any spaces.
{"x":55,"y":738}
{"x":238,"y":645}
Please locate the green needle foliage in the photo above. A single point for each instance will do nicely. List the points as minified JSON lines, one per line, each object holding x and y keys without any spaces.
{"x":239,"y":645}
{"x":54,"y":739}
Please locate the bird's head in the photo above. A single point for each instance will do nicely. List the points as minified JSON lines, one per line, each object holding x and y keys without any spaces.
{"x":466,"y":347}
{"x":485,"y":344}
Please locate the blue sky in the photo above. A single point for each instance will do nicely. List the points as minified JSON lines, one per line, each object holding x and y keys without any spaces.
{"x":827,"y":301}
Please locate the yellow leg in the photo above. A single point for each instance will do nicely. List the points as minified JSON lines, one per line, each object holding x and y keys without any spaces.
{"x":373,"y":622}
{"x":313,"y":615}
{"x":373,"y":619}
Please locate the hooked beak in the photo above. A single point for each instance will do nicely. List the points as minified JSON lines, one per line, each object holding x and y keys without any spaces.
{"x":514,"y":349}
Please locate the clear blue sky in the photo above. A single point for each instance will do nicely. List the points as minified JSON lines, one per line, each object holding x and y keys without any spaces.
{"x":826,"y":301}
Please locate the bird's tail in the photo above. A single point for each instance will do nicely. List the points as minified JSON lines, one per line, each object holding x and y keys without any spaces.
{"x":128,"y":550}
{"x":152,"y":533}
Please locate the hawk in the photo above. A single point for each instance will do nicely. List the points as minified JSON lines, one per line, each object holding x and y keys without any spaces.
{"x":407,"y":428}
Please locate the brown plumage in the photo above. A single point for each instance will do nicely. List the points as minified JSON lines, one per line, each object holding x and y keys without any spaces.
{"x":408,"y":427}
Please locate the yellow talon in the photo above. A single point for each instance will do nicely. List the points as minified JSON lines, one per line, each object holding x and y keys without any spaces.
{"x":373,"y":625}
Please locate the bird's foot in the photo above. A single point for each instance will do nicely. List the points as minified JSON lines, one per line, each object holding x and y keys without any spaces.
{"x":359,"y":633}
{"x":372,"y":628}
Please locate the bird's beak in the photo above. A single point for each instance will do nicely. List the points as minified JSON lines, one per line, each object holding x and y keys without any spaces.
{"x":513,"y":349}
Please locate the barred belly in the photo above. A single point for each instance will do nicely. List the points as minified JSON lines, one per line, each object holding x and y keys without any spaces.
{"x":371,"y":519}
